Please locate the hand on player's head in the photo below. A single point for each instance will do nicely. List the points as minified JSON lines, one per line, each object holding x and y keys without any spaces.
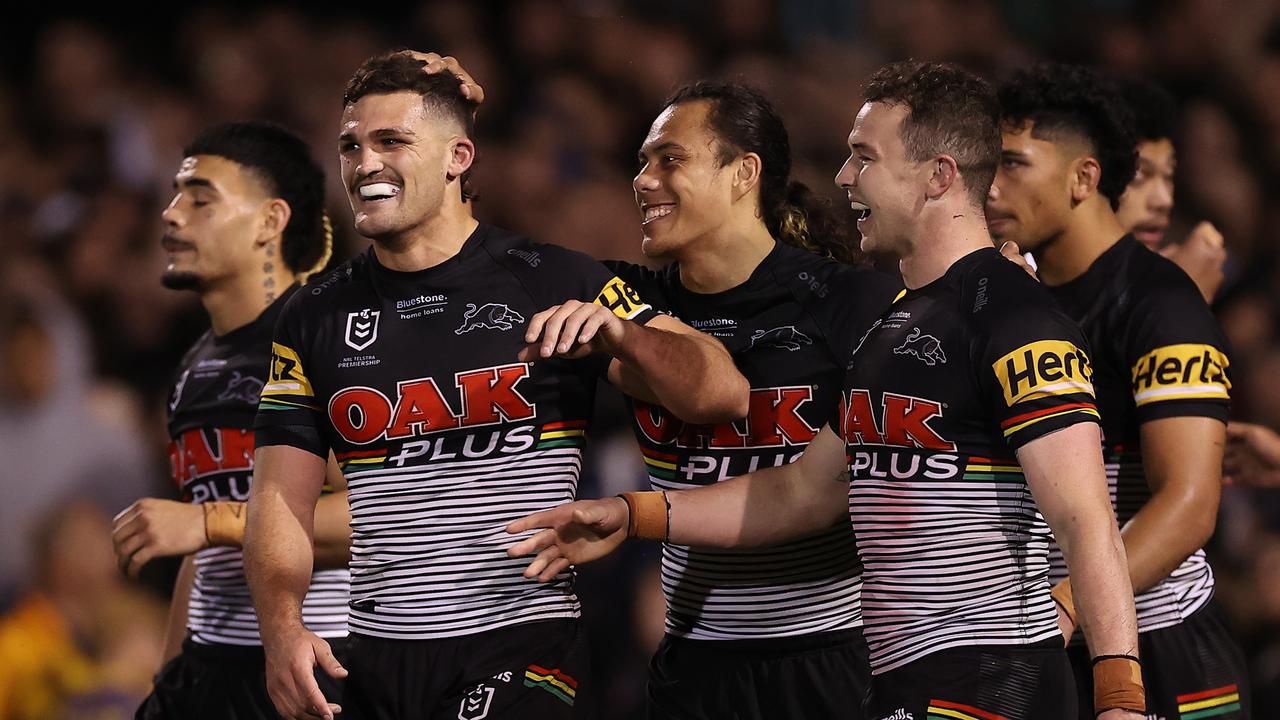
{"x":436,"y":63}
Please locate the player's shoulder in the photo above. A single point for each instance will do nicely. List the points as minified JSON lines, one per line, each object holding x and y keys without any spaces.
{"x":815,"y":280}
{"x":525,"y":256}
{"x":994,"y":290}
{"x":1153,"y":282}
{"x":197,"y":350}
{"x":328,"y":290}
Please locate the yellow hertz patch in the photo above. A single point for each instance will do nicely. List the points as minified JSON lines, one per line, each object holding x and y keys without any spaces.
{"x":1045,"y":368}
{"x":286,"y":374}
{"x":1188,"y":371}
{"x":621,"y":298}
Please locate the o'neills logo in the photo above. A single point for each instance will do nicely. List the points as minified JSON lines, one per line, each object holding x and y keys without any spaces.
{"x":773,"y":420}
{"x":1044,"y":368}
{"x":895,"y":420}
{"x":1181,"y":372}
{"x":485,"y":397}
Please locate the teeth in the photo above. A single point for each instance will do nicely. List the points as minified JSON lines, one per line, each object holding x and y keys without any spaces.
{"x":378,"y":190}
{"x":653,"y":213}
{"x":862,"y":209}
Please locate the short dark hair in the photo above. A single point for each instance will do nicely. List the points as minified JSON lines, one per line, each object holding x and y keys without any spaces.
{"x":1073,"y":99}
{"x":951,"y":111}
{"x":283,"y":162}
{"x":1154,"y":110}
{"x":744,"y":121}
{"x":398,"y":71}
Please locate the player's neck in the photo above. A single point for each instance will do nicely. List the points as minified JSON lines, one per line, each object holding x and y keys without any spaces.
{"x":941,"y":242}
{"x":438,"y":238}
{"x":241,"y":299}
{"x":725,"y":259}
{"x":1093,"y":229}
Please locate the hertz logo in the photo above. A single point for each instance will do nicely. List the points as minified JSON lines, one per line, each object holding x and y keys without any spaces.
{"x":621,"y":298}
{"x":287,"y":377}
{"x":1187,"y":371}
{"x":1045,"y":368}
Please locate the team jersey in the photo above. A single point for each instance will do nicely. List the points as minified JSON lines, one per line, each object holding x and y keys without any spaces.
{"x":942,"y":390}
{"x":1157,"y":353}
{"x":211,"y":415}
{"x":411,"y":378}
{"x":790,"y":327}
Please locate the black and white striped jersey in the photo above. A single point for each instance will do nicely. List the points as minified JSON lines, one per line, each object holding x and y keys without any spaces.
{"x":411,"y":378}
{"x":942,"y":390}
{"x":211,"y":413}
{"x":790,"y":327}
{"x":1158,"y":353}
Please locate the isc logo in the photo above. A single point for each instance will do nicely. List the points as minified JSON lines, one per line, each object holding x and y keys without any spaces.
{"x":1043,"y":369}
{"x":1181,"y":372}
{"x":899,"y":420}
{"x":488,"y":396}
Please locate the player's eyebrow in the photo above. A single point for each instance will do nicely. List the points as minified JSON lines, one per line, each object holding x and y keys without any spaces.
{"x":193,"y":182}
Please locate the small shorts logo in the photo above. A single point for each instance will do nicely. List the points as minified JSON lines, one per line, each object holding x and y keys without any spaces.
{"x":490,"y":316}
{"x":362,"y":328}
{"x":786,"y":337}
{"x":475,"y":704}
{"x":925,"y":347}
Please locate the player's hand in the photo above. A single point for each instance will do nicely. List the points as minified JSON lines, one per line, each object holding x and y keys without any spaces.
{"x":152,"y":528}
{"x":1252,"y":456}
{"x":1009,"y":249}
{"x":1121,"y":715}
{"x":1065,"y":625}
{"x":291,"y":682}
{"x":575,"y":533}
{"x":435,"y":63}
{"x":1201,"y":256}
{"x":572,"y":330}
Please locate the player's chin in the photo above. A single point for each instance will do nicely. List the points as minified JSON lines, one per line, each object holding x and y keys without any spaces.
{"x":179,"y":278}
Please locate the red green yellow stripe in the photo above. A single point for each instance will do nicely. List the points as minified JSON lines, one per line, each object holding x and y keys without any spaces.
{"x":1020,"y":422}
{"x":553,"y":681}
{"x":944,"y":710}
{"x":1209,"y":703}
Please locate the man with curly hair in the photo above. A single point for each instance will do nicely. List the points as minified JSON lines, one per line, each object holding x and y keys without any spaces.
{"x":1160,"y":372}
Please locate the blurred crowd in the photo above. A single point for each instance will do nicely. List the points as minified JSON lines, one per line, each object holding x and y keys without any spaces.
{"x":94,"y":112}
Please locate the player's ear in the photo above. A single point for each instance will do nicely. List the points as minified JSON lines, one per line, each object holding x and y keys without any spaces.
{"x":462,"y":153}
{"x":943,"y":174}
{"x":1085,"y":175}
{"x":747,"y":175}
{"x":274,"y":219}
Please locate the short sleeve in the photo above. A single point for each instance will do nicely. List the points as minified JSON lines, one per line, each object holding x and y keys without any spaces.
{"x":289,"y":412}
{"x":1032,"y":361}
{"x":648,"y":283}
{"x":1176,"y":356}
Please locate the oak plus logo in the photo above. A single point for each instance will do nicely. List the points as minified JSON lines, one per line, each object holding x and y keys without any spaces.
{"x":773,"y":420}
{"x":894,"y":420}
{"x":487,"y":396}
{"x":362,"y":328}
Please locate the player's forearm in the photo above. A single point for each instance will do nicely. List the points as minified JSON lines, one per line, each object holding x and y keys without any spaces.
{"x":1165,"y":532}
{"x":333,"y":531}
{"x":692,"y":376}
{"x":758,"y":509}
{"x":277,"y":561}
{"x":1095,"y":558}
{"x":176,"y":628}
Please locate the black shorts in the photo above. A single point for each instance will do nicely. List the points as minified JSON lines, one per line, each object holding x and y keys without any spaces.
{"x":532,"y":671}
{"x":1191,"y":670}
{"x":216,"y":682}
{"x":1016,"y":682}
{"x":818,"y":676}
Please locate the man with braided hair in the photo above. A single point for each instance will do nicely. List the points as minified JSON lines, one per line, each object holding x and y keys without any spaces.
{"x":245,"y":227}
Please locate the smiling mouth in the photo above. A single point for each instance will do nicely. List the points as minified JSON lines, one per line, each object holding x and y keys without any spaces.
{"x":377,"y":191}
{"x":656,"y":212}
{"x":862,"y":210}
